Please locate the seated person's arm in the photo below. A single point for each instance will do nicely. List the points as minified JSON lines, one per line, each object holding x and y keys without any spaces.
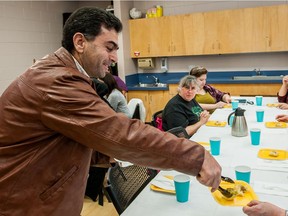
{"x":283,"y":91}
{"x":284,"y":87}
{"x":226,"y":98}
{"x":282,"y":118}
{"x":283,"y":106}
{"x":217,"y":105}
{"x":217,"y":94}
{"x":192,"y":129}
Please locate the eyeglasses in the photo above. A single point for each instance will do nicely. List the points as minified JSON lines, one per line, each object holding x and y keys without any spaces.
{"x":193,"y":88}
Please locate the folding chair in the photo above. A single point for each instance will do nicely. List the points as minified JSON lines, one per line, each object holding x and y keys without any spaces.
{"x":125,"y":183}
{"x":179,"y":132}
{"x":140,"y":113}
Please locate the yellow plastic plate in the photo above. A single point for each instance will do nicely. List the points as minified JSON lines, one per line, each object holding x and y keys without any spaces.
{"x":204,"y":143}
{"x":216,"y":123}
{"x":275,"y":124}
{"x":227,"y":106}
{"x":270,"y":154}
{"x":272,"y":104}
{"x":155,"y":188}
{"x":238,"y":200}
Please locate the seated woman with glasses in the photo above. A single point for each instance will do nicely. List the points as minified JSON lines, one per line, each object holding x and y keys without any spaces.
{"x":183,"y":110}
{"x":208,"y":97}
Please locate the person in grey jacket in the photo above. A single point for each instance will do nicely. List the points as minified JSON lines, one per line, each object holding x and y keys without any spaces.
{"x":115,"y":96}
{"x":51,"y":118}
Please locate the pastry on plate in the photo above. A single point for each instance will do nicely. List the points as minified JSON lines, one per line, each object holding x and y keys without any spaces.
{"x":237,"y":190}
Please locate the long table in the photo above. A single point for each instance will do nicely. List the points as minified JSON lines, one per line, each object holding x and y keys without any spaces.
{"x":234,"y":151}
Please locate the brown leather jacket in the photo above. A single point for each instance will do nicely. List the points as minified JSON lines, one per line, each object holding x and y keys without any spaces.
{"x":50,"y":119}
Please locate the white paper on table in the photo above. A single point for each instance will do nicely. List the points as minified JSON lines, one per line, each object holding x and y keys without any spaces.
{"x":270,"y":188}
{"x":276,"y":165}
{"x":274,"y":131}
{"x":273,"y":163}
{"x":163,"y":182}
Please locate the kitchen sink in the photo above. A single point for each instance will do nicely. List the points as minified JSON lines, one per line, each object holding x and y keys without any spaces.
{"x":151,"y":85}
{"x":258,"y":77}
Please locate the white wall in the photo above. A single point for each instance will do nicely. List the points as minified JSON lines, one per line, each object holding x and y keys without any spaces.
{"x":125,"y":63}
{"x":30,"y":30}
{"x":264,"y":61}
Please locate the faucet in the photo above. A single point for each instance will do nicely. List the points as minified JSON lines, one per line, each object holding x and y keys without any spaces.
{"x":258,"y":72}
{"x":156,"y":79}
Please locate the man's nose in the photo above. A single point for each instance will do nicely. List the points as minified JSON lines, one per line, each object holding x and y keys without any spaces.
{"x":114,"y":57}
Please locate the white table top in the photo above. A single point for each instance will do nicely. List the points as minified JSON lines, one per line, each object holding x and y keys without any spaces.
{"x":234,"y":151}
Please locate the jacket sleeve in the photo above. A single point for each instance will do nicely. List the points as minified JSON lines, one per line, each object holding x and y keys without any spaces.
{"x":282,"y":99}
{"x":215,"y":93}
{"x":71,"y":107}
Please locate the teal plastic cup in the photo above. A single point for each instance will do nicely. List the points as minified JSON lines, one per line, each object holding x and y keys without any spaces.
{"x":260,"y":115}
{"x":235,"y":104}
{"x":182,"y":187}
{"x":215,"y":145}
{"x":243,"y":173}
{"x":258,"y":100}
{"x":255,"y":134}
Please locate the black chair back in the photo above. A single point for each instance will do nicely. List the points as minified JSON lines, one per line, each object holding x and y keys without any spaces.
{"x":136,"y":114}
{"x":179,"y":132}
{"x":125,"y":183}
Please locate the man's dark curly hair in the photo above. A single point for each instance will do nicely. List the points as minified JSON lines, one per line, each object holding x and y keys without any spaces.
{"x":88,"y":21}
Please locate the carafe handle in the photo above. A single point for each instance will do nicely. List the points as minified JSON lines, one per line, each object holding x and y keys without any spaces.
{"x":228,"y":120}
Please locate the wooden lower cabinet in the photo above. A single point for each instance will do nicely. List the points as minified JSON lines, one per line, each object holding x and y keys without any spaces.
{"x":153,"y":100}
{"x":240,"y":89}
{"x":249,"y":89}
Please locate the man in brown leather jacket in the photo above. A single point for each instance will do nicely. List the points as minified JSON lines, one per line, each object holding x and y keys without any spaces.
{"x":51,"y":118}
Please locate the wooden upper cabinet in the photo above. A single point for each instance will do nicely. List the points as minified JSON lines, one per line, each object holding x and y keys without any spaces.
{"x":261,"y":29}
{"x":230,"y":35}
{"x":177,"y":39}
{"x":161,"y":37}
{"x":277,"y":28}
{"x":140,"y":37}
{"x":154,"y":37}
{"x":194,"y":33}
{"x":265,"y":29}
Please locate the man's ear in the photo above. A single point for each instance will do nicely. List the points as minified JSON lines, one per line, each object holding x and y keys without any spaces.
{"x":79,"y":42}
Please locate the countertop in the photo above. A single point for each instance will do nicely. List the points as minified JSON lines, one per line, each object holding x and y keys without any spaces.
{"x":212,"y":78}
